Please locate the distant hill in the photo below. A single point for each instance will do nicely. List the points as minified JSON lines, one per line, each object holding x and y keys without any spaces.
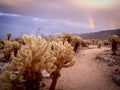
{"x":100,"y":34}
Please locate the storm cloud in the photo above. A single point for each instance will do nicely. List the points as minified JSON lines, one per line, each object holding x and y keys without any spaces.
{"x":77,"y":16}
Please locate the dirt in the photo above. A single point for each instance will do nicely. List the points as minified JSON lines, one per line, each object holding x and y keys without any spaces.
{"x":86,"y":74}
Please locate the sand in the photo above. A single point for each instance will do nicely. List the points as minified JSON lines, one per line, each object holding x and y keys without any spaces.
{"x":86,"y":74}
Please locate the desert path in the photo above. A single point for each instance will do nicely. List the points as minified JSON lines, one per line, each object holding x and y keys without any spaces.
{"x":85,"y":74}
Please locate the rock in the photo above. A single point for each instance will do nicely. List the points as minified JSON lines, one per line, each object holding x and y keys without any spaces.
{"x":1,"y":68}
{"x":117,"y":71}
{"x":110,"y":64}
{"x":106,"y":59}
{"x":98,"y":57}
{"x":45,"y":73}
{"x":116,"y":78}
{"x":117,"y":60}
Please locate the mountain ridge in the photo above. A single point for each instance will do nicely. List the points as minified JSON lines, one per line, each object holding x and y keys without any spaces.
{"x":100,"y":34}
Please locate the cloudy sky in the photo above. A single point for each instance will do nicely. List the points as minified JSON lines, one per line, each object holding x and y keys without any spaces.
{"x":58,"y":16}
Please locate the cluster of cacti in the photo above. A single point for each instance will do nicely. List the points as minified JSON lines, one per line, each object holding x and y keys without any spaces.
{"x":97,"y":42}
{"x":25,"y":70}
{"x":94,"y":41}
{"x":115,"y":40}
{"x":86,"y":43}
{"x":19,"y":40}
{"x":75,"y":41}
{"x":106,"y":42}
{"x":100,"y":43}
{"x":9,"y":47}
{"x":1,"y":44}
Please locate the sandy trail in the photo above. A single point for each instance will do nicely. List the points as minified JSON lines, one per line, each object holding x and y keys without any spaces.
{"x":85,"y":74}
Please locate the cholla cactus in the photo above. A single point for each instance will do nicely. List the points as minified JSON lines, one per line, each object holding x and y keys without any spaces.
{"x":75,"y":41}
{"x":100,"y":43}
{"x":19,"y":40}
{"x":9,"y":47}
{"x":9,"y":79}
{"x":106,"y":42}
{"x":25,"y":70}
{"x":37,"y":52}
{"x":63,"y":51}
{"x":8,"y":36}
{"x":31,"y":59}
{"x":57,"y":38}
{"x":68,"y":37}
{"x":1,"y":44}
{"x":115,"y":40}
{"x":7,"y":50}
{"x":15,"y":47}
{"x":86,"y":42}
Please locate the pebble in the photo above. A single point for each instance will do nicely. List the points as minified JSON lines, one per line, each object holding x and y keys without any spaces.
{"x":116,"y":78}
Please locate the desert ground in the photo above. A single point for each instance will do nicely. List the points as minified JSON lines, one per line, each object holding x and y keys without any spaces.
{"x":87,"y":74}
